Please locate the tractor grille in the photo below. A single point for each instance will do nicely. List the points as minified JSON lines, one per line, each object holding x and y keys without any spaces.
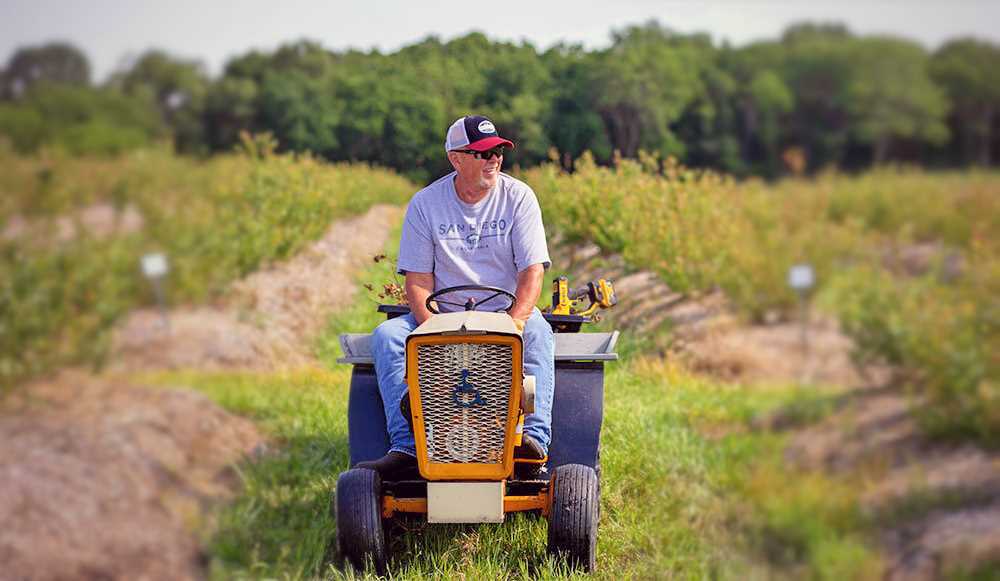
{"x":464,"y":391}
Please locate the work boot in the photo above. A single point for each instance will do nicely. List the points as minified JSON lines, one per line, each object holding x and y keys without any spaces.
{"x":391,"y":466}
{"x":529,"y":449}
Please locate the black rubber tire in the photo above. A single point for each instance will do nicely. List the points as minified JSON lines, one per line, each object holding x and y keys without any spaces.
{"x":576,"y":499}
{"x":360,"y":534}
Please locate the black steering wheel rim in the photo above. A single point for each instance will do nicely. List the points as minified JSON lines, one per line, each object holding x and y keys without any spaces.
{"x":474,"y":287}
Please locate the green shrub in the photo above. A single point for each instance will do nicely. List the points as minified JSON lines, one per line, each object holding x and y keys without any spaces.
{"x":944,"y":338}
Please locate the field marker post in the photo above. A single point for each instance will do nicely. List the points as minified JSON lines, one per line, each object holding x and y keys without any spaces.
{"x":802,"y":278}
{"x":155,"y":268}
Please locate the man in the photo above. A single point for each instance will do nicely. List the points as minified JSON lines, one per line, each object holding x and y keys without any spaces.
{"x":475,"y":225}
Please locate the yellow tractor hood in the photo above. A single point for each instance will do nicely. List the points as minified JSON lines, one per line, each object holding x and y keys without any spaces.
{"x":468,"y":323}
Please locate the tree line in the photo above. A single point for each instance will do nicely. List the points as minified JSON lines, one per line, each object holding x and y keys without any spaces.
{"x":816,"y":97}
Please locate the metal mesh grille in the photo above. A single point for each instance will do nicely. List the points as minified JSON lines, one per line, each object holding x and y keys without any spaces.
{"x":464,"y":391}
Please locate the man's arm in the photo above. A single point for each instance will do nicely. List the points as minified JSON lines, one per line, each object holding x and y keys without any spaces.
{"x":419,"y":286}
{"x":529,"y":288}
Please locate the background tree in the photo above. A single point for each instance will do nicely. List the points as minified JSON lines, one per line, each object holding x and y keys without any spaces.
{"x":817,"y":96}
{"x":573,"y":124}
{"x":178,"y":88}
{"x":890,"y":96}
{"x":816,"y":65}
{"x":232,"y":104}
{"x":409,"y":136}
{"x":762,"y":102}
{"x":301,"y":111}
{"x":708,"y":125}
{"x":51,"y":63}
{"x":968,"y":70}
{"x":644,"y":82}
{"x":518,"y":87}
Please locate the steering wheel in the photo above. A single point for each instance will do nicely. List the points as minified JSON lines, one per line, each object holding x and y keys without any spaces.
{"x":471,"y":305}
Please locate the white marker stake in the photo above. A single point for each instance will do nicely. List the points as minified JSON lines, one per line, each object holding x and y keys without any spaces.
{"x":155,"y":268}
{"x":802,"y":278}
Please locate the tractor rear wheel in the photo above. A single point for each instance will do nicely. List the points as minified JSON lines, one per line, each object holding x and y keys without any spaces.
{"x":360,"y":535}
{"x":576,"y":499}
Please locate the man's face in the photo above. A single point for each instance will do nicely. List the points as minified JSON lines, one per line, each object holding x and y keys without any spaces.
{"x":483,"y":172}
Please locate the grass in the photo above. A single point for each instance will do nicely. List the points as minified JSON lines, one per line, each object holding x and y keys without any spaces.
{"x":676,"y":502}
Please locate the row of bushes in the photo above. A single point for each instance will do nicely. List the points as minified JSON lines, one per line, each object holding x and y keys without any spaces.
{"x":216,"y":220}
{"x":697,"y":229}
{"x":938,"y":320}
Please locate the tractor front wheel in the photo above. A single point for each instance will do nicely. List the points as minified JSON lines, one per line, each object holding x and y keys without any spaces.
{"x":573,"y":518}
{"x":360,"y":535}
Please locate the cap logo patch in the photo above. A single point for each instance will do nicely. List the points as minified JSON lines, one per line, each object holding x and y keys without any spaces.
{"x":486,"y":127}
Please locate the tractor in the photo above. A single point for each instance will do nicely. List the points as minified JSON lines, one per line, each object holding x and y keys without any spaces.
{"x":468,"y":397}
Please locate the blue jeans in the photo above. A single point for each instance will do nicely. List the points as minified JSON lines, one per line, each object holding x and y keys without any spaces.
{"x":389,"y":350}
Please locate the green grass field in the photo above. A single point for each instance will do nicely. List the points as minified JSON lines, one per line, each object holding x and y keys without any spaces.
{"x":678,"y":499}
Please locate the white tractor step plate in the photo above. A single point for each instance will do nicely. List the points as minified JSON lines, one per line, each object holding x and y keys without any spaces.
{"x":465,"y":502}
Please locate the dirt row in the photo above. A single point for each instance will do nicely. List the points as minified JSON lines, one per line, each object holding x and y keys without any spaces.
{"x":266,"y":321}
{"x":101,"y":478}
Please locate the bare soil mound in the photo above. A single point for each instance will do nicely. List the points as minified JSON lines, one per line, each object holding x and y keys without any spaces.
{"x":709,"y":337}
{"x":267,"y":320}
{"x":731,"y":350}
{"x":104,"y":480}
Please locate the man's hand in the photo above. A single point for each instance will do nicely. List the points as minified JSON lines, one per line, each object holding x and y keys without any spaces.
{"x":519,"y":323}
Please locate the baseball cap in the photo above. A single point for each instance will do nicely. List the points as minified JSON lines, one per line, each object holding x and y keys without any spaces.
{"x":474,"y":132}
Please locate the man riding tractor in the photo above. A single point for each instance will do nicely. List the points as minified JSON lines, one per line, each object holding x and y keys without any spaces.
{"x":470,"y":404}
{"x":474,"y":226}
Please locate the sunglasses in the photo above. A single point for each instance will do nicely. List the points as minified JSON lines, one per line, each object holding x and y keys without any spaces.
{"x":488,"y":154}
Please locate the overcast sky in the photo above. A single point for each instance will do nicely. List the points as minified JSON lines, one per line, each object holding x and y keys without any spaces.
{"x":111,"y":31}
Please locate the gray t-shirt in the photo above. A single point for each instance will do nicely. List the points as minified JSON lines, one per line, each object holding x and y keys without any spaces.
{"x":485,"y":243}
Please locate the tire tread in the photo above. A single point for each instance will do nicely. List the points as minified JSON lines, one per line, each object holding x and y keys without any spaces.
{"x":359,"y":519}
{"x":574,"y":516}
